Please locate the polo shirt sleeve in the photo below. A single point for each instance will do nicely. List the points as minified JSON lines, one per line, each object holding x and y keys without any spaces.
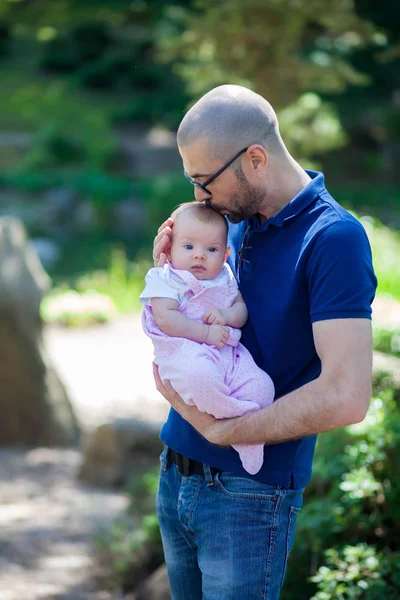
{"x":159,"y":285}
{"x":340,"y":275}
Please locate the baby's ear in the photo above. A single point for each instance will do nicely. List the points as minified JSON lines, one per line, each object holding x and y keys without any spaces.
{"x":227,"y":251}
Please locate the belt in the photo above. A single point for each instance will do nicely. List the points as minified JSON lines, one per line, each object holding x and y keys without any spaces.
{"x":187,"y":466}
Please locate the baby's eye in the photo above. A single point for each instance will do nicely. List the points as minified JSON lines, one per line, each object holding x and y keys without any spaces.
{"x":212,"y":249}
{"x":188,"y":246}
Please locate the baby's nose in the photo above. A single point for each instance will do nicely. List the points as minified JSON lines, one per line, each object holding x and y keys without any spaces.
{"x":199,"y":253}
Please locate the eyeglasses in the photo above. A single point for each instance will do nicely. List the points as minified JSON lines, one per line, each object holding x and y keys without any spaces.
{"x":203,"y":186}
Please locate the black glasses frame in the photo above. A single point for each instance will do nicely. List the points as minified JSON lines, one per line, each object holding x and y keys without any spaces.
{"x":203,"y":186}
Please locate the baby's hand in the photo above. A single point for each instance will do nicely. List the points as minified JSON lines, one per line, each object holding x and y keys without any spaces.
{"x":217,"y":335}
{"x":216,"y":317}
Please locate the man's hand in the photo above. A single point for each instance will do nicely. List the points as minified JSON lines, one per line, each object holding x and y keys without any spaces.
{"x":162,"y":243}
{"x":217,"y":336}
{"x":217,"y":317}
{"x":214,"y":430}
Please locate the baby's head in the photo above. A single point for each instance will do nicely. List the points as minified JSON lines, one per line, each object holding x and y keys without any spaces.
{"x":199,"y":237}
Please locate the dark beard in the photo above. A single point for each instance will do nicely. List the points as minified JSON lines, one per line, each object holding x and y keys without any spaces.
{"x":247,"y":201}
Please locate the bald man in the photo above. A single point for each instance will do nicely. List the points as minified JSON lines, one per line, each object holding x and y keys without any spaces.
{"x":305,"y":272}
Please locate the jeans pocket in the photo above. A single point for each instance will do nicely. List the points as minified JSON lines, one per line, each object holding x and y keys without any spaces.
{"x":233,"y":486}
{"x":293,"y":514}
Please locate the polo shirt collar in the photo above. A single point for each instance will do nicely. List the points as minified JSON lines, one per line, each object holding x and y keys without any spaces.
{"x":303,"y":199}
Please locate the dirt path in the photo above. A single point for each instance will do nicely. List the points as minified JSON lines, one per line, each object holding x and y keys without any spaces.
{"x":48,"y":517}
{"x":107,"y":370}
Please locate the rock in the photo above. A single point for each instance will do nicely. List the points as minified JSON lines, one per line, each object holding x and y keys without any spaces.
{"x":116,"y":451}
{"x":33,"y":401}
{"x":156,"y":587}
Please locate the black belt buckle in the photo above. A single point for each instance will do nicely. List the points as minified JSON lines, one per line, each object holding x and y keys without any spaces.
{"x":183,"y":463}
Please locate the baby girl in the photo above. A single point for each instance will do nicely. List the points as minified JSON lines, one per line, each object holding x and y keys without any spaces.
{"x":192,"y":312}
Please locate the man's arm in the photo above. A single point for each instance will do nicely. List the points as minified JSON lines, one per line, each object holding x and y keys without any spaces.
{"x":338,"y":397}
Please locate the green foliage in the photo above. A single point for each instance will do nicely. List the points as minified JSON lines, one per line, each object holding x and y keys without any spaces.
{"x":310,"y":127}
{"x":348,"y":530}
{"x":102,"y":188}
{"x":84,"y":43}
{"x":92,"y":297}
{"x":58,"y":146}
{"x":5,"y":39}
{"x":387,"y":339}
{"x":129,"y":551}
{"x":280,"y":50}
{"x":358,"y":572}
{"x":385,"y":244}
{"x":123,"y":281}
{"x":132,"y":547}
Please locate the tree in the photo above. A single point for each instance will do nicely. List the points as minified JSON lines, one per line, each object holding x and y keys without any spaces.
{"x":280,"y":48}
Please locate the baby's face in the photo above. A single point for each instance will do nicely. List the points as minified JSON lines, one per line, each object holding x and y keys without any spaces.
{"x":198,"y":247}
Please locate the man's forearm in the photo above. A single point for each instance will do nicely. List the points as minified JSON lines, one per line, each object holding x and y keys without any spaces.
{"x":314,"y":408}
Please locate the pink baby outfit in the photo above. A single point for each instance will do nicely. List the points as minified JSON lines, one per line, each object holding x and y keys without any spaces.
{"x":224,"y":382}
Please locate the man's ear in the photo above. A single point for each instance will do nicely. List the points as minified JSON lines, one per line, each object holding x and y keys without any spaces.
{"x":227,"y":251}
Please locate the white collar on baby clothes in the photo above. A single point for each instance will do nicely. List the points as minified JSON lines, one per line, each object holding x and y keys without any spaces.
{"x":225,"y":277}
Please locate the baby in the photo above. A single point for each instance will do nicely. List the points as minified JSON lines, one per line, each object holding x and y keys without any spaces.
{"x":192,"y":312}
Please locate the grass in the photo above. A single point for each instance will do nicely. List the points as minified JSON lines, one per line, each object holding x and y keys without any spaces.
{"x":121,"y":281}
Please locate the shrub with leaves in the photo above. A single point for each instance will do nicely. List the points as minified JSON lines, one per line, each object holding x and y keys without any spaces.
{"x":132,"y":548}
{"x":348,"y":530}
{"x":358,"y":572}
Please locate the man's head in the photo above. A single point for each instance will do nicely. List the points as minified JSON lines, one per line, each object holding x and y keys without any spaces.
{"x":225,"y":121}
{"x":199,"y":238}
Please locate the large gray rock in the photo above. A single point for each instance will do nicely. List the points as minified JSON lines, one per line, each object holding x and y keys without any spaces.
{"x":34,"y":406}
{"x":119,"y":450}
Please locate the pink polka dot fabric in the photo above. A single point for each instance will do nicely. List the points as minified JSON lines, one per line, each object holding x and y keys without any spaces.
{"x":222,"y":382}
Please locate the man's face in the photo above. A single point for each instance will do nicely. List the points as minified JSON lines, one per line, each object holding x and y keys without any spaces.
{"x":231,"y":193}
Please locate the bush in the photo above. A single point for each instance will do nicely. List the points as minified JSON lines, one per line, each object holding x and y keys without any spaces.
{"x":349,"y":528}
{"x":59,"y":146}
{"x":358,"y":572}
{"x":97,"y":296}
{"x":132,"y":549}
{"x":81,"y":44}
{"x":5,"y":40}
{"x":387,"y":339}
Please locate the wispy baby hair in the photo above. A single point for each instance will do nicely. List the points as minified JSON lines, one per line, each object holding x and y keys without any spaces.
{"x":202,"y":212}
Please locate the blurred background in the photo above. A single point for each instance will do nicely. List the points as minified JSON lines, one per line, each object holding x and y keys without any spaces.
{"x":91,"y":94}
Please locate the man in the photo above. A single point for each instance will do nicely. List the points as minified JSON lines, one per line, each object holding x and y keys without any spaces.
{"x":305,"y":272}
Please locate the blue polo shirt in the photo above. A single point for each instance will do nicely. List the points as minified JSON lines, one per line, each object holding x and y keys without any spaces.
{"x":310,"y":262}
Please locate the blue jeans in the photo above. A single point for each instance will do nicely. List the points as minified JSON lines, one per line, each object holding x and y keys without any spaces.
{"x":224,"y":537}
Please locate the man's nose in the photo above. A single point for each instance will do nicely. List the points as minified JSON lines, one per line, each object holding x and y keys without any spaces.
{"x":200,"y":195}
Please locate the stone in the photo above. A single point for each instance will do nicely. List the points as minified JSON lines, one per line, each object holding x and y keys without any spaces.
{"x":155,"y":587}
{"x":116,"y":451}
{"x":33,"y":402}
